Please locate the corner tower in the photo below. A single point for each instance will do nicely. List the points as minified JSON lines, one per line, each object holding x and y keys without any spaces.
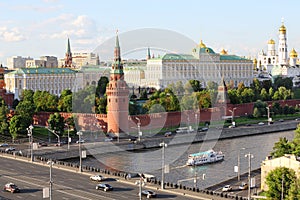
{"x":117,"y":96}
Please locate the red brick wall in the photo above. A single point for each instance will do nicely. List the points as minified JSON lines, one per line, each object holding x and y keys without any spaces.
{"x":158,"y":120}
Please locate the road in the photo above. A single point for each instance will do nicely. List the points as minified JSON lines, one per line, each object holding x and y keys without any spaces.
{"x":32,"y":178}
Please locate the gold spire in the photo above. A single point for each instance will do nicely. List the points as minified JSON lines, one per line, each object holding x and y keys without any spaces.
{"x":271,"y":41}
{"x":201,"y":44}
{"x":293,"y":54}
{"x":223,"y":52}
{"x":255,"y":61}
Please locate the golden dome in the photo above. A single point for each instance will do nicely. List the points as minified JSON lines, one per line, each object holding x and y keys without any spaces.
{"x":282,"y":29}
{"x":223,"y":52}
{"x":271,"y":41}
{"x":293,"y":54}
{"x":255,"y":61}
{"x":201,"y":44}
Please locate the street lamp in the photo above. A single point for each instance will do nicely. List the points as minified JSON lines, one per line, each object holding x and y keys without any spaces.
{"x":239,"y":163}
{"x":232,"y":115}
{"x":79,"y":133}
{"x":249,"y":155}
{"x":268,"y":109}
{"x":139,"y":128}
{"x":29,"y":131}
{"x":68,"y":136}
{"x":196,"y":117}
{"x":141,"y":183}
{"x":163,"y":145}
{"x":50,"y":163}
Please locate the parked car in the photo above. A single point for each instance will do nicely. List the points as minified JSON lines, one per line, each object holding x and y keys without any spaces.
{"x":226,"y":188}
{"x":148,"y":193}
{"x":10,"y":149}
{"x":11,"y":187}
{"x":261,"y":123}
{"x":97,"y":178}
{"x":243,"y":186}
{"x":4,"y":145}
{"x":168,"y":134}
{"x":281,"y":120}
{"x":42,"y":144}
{"x":108,"y":139}
{"x":80,"y":141}
{"x":132,"y":139}
{"x":202,"y":129}
{"x":104,"y":186}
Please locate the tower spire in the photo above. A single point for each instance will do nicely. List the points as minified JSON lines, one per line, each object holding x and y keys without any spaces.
{"x":69,"y":47}
{"x":68,"y":56}
{"x":117,"y":51}
{"x":148,"y":53}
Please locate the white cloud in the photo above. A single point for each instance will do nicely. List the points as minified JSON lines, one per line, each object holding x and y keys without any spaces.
{"x":11,"y":34}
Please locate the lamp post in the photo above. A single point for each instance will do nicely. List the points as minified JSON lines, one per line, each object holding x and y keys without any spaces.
{"x":249,"y":155}
{"x":239,"y":163}
{"x":232,"y":115}
{"x":68,"y":136}
{"x":141,"y":183}
{"x":163,"y":145}
{"x":268,"y":110}
{"x":79,"y":133}
{"x":196,"y":117}
{"x":50,"y":163}
{"x":139,"y":128}
{"x":29,"y":131}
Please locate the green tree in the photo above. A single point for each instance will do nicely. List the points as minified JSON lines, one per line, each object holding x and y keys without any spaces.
{"x":4,"y":124}
{"x":196,"y":85}
{"x":264,"y":96}
{"x":15,"y":126}
{"x":234,"y":96}
{"x":294,"y":190}
{"x":281,"y":147}
{"x":27,"y":95}
{"x":278,"y":179}
{"x":101,"y":86}
{"x":260,"y":108}
{"x":56,"y":122}
{"x":211,"y":85}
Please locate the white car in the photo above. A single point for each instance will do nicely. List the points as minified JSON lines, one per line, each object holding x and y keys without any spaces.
{"x":226,"y":188}
{"x":97,"y":178}
{"x":261,"y":123}
{"x":80,"y":141}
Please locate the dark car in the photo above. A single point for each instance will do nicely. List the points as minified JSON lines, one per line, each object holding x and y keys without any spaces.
{"x":11,"y":187}
{"x":132,"y":139}
{"x":148,"y":193}
{"x":104,"y":186}
{"x":42,"y":144}
{"x":243,"y":186}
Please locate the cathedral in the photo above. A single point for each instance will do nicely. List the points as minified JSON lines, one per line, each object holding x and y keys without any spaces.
{"x":278,"y":63}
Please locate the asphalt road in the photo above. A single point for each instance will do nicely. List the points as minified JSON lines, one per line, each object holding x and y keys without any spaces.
{"x":32,"y":178}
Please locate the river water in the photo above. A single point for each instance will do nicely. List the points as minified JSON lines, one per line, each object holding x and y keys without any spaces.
{"x":150,"y":161}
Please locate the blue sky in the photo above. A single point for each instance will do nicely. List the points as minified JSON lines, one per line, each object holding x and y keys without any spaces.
{"x":40,"y":27}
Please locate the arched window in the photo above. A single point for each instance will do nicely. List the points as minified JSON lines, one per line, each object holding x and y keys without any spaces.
{"x":269,"y":60}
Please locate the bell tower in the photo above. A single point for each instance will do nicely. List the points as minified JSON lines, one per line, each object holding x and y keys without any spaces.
{"x":117,"y":97}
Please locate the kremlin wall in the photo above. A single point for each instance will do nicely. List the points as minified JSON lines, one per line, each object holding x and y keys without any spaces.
{"x":95,"y":122}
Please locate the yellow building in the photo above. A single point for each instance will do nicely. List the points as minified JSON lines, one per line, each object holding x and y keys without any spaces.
{"x":288,"y":161}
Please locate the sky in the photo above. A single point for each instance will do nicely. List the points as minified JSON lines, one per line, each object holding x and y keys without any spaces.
{"x":41,"y":27}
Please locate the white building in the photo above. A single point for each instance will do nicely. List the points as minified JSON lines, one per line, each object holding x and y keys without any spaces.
{"x":53,"y":80}
{"x":16,"y":62}
{"x":80,"y":59}
{"x":279,"y":63}
{"x":203,"y":65}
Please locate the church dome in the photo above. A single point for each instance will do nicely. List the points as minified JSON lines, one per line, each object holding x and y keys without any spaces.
{"x":282,"y":29}
{"x":271,"y":41}
{"x":293,"y":54}
{"x":223,"y":52}
{"x":254,"y":61}
{"x":201,"y":44}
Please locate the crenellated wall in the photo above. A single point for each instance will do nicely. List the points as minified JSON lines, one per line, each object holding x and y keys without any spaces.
{"x":93,"y":122}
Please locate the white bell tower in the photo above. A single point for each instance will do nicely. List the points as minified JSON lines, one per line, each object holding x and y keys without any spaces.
{"x":282,"y":46}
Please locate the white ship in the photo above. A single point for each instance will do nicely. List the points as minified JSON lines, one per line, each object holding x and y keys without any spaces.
{"x":201,"y":158}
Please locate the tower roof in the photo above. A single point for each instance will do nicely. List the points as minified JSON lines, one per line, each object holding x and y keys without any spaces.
{"x":223,"y":52}
{"x":201,"y":44}
{"x":293,"y":53}
{"x":282,"y":29}
{"x":68,"y":47}
{"x":271,"y":41}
